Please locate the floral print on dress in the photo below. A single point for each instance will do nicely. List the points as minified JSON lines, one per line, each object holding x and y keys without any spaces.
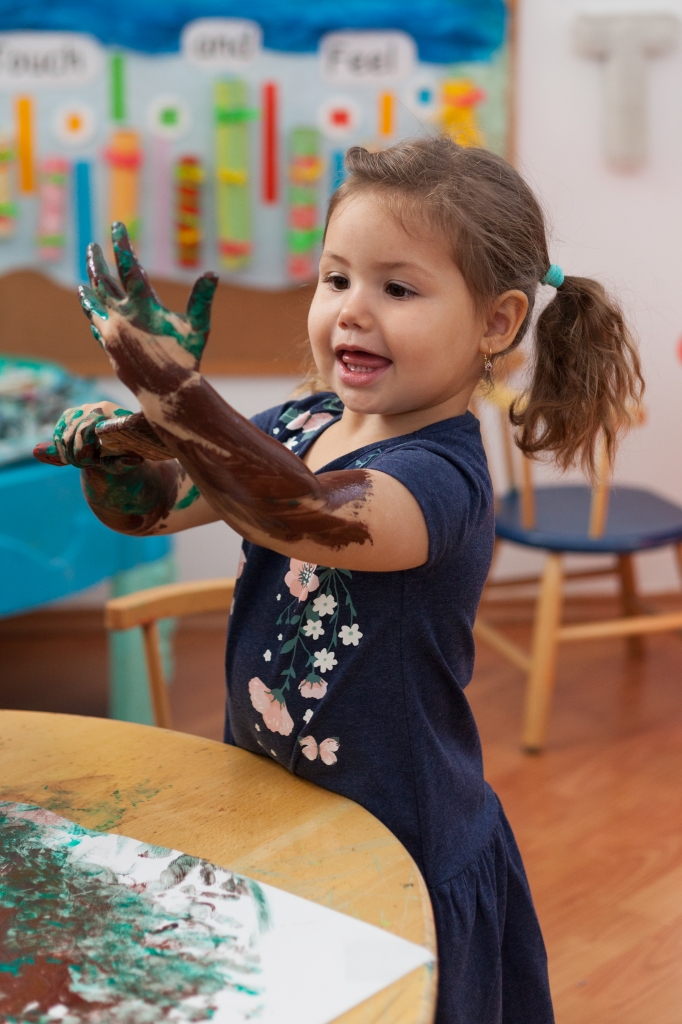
{"x":317,"y":619}
{"x":319,"y":614}
{"x":300,"y":426}
{"x":314,"y":690}
{"x":301,"y":578}
{"x":326,"y":751}
{"x":271,"y":705}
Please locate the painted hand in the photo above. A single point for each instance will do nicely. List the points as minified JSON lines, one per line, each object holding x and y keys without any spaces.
{"x":150,"y":348}
{"x":75,"y":442}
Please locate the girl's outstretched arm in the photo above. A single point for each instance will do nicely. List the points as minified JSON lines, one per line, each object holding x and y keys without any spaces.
{"x":349,"y":518}
{"x":127,"y":492}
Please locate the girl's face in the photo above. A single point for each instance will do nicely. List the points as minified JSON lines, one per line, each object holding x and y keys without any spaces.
{"x":393,"y":326}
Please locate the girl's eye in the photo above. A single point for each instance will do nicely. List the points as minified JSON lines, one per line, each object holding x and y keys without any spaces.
{"x":398,"y":291}
{"x":337,"y":281}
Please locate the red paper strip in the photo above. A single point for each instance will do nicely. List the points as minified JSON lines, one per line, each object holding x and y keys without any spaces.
{"x":270,"y":143}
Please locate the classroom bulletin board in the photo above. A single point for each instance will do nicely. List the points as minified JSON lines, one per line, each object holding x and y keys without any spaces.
{"x":217,"y":133}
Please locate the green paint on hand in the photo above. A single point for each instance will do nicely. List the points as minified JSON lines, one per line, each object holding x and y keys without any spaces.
{"x":139,"y":304}
{"x":189,"y":499}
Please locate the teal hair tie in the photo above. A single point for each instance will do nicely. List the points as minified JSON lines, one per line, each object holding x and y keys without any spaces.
{"x":554,"y":276}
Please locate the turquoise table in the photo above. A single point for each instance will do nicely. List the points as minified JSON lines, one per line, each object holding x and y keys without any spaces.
{"x":51,"y":546}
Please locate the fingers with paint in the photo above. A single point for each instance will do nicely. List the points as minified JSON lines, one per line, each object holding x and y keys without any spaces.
{"x":128,"y":312}
{"x":75,"y":440}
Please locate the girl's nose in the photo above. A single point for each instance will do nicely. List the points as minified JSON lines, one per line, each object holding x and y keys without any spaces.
{"x":354,"y":313}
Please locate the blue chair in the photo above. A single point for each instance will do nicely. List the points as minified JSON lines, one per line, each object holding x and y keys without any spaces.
{"x":574,"y":519}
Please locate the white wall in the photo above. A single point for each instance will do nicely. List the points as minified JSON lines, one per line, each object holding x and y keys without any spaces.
{"x":625,"y":230}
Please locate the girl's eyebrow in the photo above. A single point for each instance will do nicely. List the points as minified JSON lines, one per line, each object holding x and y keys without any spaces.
{"x":334,"y":256}
{"x":389,"y":265}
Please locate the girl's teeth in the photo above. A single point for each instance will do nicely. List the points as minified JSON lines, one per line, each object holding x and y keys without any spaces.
{"x":358,"y":369}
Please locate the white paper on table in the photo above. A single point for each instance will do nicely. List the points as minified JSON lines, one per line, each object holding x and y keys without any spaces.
{"x":218,"y":946}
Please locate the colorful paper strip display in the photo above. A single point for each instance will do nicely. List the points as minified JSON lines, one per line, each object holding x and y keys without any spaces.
{"x":270,"y":147}
{"x":52,"y":185}
{"x":83,"y":208}
{"x":305,"y":171}
{"x":25,"y":143}
{"x":8,"y":206}
{"x":189,"y":178}
{"x":124,"y":157}
{"x":232,"y":146}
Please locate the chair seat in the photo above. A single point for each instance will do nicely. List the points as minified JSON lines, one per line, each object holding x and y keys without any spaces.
{"x":637,"y":519}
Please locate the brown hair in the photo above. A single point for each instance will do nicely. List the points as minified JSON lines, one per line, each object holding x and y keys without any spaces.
{"x":586,"y":370}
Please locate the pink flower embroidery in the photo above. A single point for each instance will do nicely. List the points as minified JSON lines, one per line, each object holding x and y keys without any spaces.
{"x":274,"y":711}
{"x":317,"y":421}
{"x":301,"y":578}
{"x":326,"y":749}
{"x":309,"y":688}
{"x":305,"y":419}
{"x":300,"y":420}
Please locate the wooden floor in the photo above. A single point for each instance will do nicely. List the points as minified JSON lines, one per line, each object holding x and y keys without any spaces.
{"x":598,"y":817}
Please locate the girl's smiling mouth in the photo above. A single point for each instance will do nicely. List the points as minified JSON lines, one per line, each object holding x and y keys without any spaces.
{"x":358,"y":367}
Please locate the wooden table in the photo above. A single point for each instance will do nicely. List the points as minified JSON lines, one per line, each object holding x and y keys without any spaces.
{"x":235,"y":809}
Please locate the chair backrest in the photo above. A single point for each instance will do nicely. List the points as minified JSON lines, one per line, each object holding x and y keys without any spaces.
{"x":145,"y":607}
{"x":519,"y":469}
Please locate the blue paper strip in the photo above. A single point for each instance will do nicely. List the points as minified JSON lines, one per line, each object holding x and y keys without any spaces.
{"x":445,"y":30}
{"x":82,"y":204}
{"x":337,"y":168}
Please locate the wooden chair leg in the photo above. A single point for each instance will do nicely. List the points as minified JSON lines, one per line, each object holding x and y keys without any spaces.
{"x":629,"y":600}
{"x":678,"y":552}
{"x":496,"y":554}
{"x":543,"y":656}
{"x":157,"y":683}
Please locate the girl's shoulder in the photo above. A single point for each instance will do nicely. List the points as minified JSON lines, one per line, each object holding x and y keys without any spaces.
{"x":299,"y":416}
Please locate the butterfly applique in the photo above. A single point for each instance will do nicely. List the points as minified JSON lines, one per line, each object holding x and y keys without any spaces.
{"x":325,"y":751}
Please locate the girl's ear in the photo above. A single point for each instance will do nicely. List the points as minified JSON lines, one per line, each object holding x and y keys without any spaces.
{"x":503,"y":321}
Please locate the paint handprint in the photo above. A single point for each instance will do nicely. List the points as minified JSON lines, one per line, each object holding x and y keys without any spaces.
{"x":76,"y":441}
{"x":150,"y":347}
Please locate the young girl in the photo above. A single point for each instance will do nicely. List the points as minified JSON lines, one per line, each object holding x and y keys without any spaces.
{"x":367,"y":512}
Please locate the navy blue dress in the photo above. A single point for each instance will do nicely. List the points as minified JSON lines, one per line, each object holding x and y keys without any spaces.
{"x":355,"y":680}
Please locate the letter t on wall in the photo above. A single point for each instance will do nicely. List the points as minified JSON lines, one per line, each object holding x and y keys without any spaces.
{"x":624,"y":42}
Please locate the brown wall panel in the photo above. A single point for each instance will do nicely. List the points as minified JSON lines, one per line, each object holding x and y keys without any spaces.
{"x":254,"y":332}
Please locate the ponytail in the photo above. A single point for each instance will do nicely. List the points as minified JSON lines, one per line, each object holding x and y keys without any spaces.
{"x":586,"y":378}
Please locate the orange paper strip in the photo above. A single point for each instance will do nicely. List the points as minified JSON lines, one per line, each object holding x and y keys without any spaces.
{"x":386,"y":114}
{"x":24,"y":115}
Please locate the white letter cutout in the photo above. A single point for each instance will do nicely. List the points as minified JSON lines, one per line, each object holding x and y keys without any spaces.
{"x":623,"y":42}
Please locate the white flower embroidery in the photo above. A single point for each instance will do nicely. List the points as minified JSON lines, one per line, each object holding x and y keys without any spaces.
{"x":350,"y":635}
{"x":325,"y":660}
{"x":279,"y":597}
{"x":276,"y":430}
{"x":279,"y":636}
{"x":267,"y":655}
{"x":257,"y":728}
{"x":308,"y":715}
{"x":313,"y":628}
{"x":324,"y":604}
{"x":273,"y":753}
{"x":291,"y":443}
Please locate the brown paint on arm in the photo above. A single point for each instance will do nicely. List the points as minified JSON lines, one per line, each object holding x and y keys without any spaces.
{"x":135,"y":502}
{"x":250,"y":479}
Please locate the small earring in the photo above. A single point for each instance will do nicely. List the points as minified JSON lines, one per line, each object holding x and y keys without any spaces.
{"x":488,"y":364}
